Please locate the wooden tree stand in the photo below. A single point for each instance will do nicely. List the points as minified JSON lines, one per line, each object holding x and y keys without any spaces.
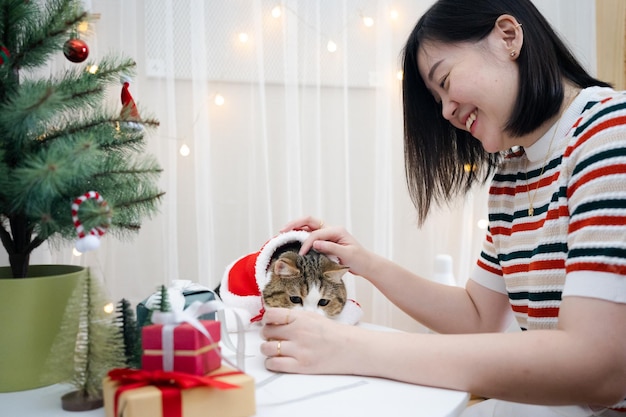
{"x":79,"y":401}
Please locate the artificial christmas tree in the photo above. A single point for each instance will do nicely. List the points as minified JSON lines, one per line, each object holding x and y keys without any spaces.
{"x":59,"y":140}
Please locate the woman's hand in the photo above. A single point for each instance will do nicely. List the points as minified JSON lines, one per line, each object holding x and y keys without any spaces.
{"x":333,"y":241}
{"x":308,"y":223}
{"x":305,"y":342}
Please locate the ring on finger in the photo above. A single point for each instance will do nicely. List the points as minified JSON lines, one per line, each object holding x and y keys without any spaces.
{"x":321,"y":224}
{"x":278,"y":348}
{"x":287,"y":318}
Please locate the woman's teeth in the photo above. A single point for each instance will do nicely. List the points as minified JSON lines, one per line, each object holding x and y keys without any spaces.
{"x":470,"y":120}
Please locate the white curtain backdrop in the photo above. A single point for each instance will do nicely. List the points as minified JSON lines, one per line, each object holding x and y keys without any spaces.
{"x":301,"y":130}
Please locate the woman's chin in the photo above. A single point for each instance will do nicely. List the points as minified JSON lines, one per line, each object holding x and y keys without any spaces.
{"x":492,"y":147}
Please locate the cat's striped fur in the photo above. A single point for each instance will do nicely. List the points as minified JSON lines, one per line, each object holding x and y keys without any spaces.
{"x":311,"y":282}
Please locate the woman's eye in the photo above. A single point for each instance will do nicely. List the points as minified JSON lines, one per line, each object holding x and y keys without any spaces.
{"x":442,"y":84}
{"x":295,"y":299}
{"x":323,"y":302}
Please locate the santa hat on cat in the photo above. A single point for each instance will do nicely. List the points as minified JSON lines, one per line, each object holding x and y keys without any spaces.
{"x":244,"y":280}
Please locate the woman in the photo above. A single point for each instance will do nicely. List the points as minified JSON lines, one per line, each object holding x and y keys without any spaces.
{"x":489,"y":83}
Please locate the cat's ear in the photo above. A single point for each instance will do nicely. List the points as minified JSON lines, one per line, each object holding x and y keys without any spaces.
{"x":336,"y":272}
{"x":285,"y":267}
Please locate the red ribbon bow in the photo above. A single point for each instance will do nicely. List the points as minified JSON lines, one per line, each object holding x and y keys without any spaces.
{"x":169,"y":383}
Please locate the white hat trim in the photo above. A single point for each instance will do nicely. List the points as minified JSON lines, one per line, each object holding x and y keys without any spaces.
{"x":265,"y":255}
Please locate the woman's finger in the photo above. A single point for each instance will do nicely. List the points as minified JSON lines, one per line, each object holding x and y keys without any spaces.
{"x":308,"y":223}
{"x":283,"y":364}
{"x":278,"y":316}
{"x":275,"y":348}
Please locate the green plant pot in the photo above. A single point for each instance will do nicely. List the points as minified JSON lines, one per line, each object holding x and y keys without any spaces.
{"x":31,"y":312}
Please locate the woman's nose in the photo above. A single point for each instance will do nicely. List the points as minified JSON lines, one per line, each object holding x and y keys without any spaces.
{"x":449,"y":108}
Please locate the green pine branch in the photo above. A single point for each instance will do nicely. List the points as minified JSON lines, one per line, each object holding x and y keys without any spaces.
{"x":59,"y":139}
{"x":35,"y":30}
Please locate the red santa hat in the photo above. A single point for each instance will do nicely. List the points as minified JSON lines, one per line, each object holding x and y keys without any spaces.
{"x":128,"y":104}
{"x":244,"y":280}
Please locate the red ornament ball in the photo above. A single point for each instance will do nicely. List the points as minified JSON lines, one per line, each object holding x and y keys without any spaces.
{"x":75,"y":50}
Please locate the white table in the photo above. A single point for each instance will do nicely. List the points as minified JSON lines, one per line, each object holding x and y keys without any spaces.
{"x":285,"y":395}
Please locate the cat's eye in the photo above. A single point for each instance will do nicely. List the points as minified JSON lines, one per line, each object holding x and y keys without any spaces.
{"x":295,"y":299}
{"x":323,"y":302}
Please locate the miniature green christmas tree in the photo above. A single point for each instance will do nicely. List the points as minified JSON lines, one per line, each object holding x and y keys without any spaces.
{"x":59,"y":140}
{"x":164,"y":300}
{"x":132,"y":334}
{"x":88,"y":345}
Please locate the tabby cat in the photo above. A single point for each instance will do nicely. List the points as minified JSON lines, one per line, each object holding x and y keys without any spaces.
{"x":310,"y":282}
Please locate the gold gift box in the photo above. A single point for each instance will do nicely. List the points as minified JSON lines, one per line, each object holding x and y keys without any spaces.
{"x":196,"y":402}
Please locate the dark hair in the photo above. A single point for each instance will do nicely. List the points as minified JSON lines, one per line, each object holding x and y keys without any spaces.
{"x":442,"y":161}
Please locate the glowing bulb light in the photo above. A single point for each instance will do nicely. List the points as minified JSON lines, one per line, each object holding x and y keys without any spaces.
{"x":76,"y":252}
{"x":482,"y":224}
{"x":393,"y":14}
{"x":184,"y":150}
{"x":276,"y":12}
{"x":243,"y":37}
{"x":368,"y":21}
{"x":83,"y":27}
{"x":92,"y":69}
{"x":400,"y":75}
{"x":109,"y":308}
{"x":219,"y":100}
{"x":331,"y":46}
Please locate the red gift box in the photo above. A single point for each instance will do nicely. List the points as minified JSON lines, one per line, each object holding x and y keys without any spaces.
{"x":193,"y":352}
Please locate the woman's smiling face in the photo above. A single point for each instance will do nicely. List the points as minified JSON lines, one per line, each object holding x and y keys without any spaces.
{"x":476,"y":85}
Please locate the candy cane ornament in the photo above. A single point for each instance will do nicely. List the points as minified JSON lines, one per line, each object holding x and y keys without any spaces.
{"x":89,"y":241}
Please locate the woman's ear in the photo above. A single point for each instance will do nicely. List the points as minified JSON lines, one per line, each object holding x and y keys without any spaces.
{"x":508,"y":32}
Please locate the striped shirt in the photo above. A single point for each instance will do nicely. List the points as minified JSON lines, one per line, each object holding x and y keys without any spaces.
{"x":575,"y":243}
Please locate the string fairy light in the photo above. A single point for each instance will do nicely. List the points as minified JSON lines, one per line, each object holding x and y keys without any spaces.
{"x":243,"y":37}
{"x":184,"y":150}
{"x":277,"y":12}
{"x":83,"y":27}
{"x":219,"y":99}
{"x":331,"y":46}
{"x":109,"y":308}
